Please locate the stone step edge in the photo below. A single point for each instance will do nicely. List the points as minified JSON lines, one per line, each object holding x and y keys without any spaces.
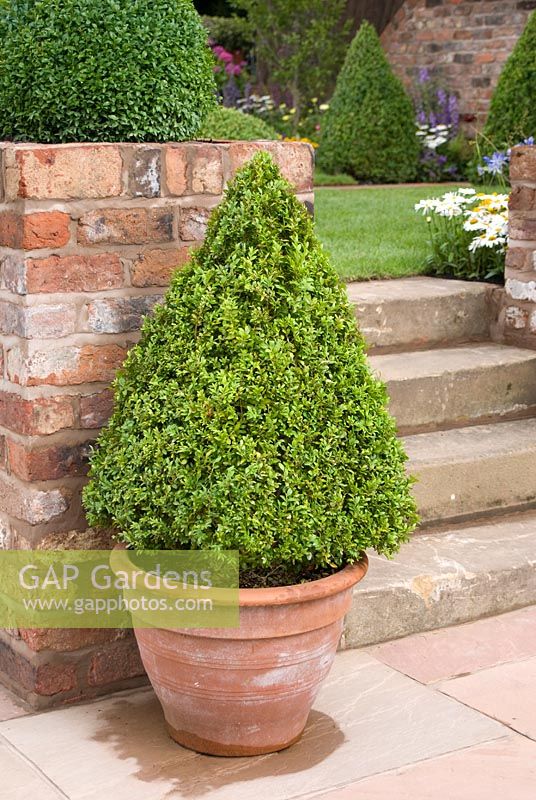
{"x":444,"y":579}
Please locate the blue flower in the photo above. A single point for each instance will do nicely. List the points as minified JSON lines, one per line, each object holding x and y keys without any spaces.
{"x":495,"y":163}
{"x":530,"y":140}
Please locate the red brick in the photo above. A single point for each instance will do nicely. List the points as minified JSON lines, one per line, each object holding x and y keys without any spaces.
{"x":45,"y":229}
{"x":518,"y":258}
{"x":206,"y":168}
{"x":522,"y":225}
{"x":73,"y":273}
{"x":120,"y":314}
{"x":96,"y":409}
{"x":515,"y":318}
{"x":43,"y":415}
{"x":47,"y":463}
{"x":295,"y":160}
{"x":53,"y":679}
{"x":10,"y":229}
{"x":193,"y":223}
{"x":65,"y":366}
{"x":523,"y":164}
{"x":242,"y":152}
{"x":176,"y":158}
{"x":67,"y":640}
{"x":155,"y":267}
{"x":145,"y":172}
{"x":126,"y":226}
{"x":3,"y":461}
{"x":42,"y":322}
{"x":30,"y":504}
{"x":118,"y":662}
{"x":485,"y":58}
{"x":13,"y":274}
{"x":522,"y":198}
{"x":68,"y":172}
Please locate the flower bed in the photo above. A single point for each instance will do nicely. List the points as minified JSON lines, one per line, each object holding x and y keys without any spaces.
{"x":468,"y":233}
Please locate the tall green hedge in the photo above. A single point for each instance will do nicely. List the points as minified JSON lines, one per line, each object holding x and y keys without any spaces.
{"x":103,"y":70}
{"x":512,"y":115}
{"x":369,"y":131}
{"x":247,"y":417}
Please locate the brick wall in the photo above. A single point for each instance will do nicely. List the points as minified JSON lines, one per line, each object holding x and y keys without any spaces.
{"x":463,"y":42}
{"x":89,"y":236}
{"x":518,"y":315}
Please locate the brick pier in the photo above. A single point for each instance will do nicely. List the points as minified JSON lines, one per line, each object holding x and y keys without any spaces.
{"x":89,"y":236}
{"x":518,"y":316}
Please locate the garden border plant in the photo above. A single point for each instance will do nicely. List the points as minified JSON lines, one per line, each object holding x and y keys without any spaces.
{"x":369,"y":131}
{"x":112,"y":70}
{"x":247,"y":418}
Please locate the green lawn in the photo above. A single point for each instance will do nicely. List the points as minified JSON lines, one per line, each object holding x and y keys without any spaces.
{"x":374,"y":233}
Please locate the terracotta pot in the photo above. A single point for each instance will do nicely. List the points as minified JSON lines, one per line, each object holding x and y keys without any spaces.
{"x":248,"y":690}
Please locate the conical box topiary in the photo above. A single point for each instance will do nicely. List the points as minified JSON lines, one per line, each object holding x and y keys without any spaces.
{"x":247,"y":417}
{"x":512,"y":114}
{"x":369,"y":130}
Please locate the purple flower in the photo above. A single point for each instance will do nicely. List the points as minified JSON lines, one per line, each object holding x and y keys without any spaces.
{"x":453,"y":111}
{"x":421,"y":117}
{"x":442,"y":97}
{"x":424,"y":75}
{"x":530,"y":140}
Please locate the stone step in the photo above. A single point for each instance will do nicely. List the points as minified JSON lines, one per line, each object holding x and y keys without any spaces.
{"x":422,"y":312}
{"x":433,"y":389}
{"x":441,"y":579}
{"x":471,"y":471}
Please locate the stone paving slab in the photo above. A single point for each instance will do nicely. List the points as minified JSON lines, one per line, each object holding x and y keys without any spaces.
{"x":452,"y":652}
{"x":368,"y":719}
{"x":11,"y":706}
{"x":20,"y":780}
{"x":506,"y":692}
{"x":501,"y":770}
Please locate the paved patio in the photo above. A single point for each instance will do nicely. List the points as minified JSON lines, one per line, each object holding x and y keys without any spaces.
{"x":446,"y":715}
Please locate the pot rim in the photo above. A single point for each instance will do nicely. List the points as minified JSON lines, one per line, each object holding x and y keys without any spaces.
{"x":344,"y":579}
{"x":341,"y":580}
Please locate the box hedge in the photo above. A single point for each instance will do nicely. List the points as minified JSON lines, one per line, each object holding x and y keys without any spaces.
{"x":103,"y":70}
{"x":369,"y":131}
{"x":247,"y":417}
{"x":512,"y":114}
{"x":228,"y":123}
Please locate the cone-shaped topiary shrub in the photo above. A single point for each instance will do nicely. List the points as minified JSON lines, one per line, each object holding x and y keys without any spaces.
{"x":512,"y":114}
{"x":247,"y":417}
{"x":103,"y":70}
{"x":228,"y":123}
{"x":369,"y":131}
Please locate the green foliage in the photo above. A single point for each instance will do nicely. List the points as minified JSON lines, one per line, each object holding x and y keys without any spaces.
{"x":369,"y":131}
{"x":300,"y":44}
{"x":103,"y":70}
{"x":228,"y":123}
{"x":233,"y":33}
{"x":512,"y":115}
{"x":247,"y":417}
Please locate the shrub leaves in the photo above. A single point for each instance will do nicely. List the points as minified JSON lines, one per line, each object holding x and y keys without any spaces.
{"x":247,"y":417}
